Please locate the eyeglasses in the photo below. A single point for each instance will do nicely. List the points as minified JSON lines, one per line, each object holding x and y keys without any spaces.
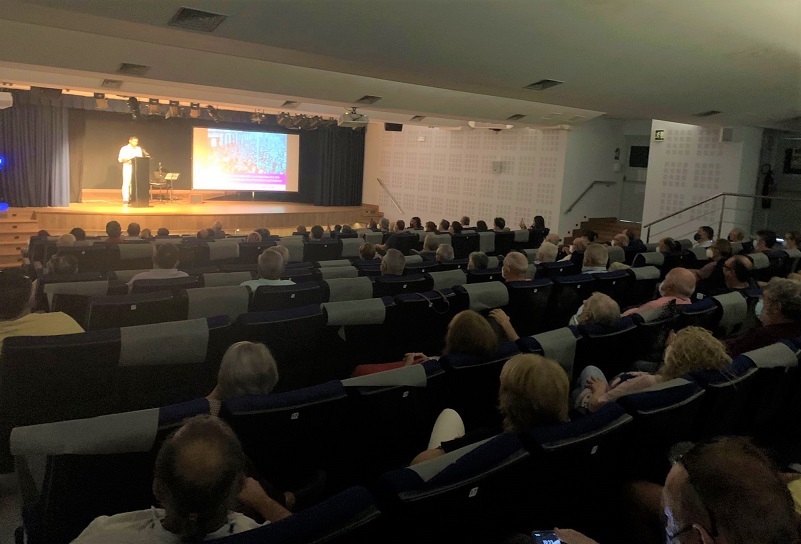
{"x":685,"y":454}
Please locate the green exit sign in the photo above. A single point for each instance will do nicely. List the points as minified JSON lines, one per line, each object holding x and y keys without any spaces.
{"x":659,"y":135}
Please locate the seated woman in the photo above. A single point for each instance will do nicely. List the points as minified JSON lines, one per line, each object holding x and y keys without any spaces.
{"x":533,"y":393}
{"x":689,"y":350}
{"x":247,"y":368}
{"x":468,"y":333}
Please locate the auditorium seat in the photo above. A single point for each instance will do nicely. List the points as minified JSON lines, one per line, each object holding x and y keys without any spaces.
{"x":249,"y":251}
{"x":703,"y":313}
{"x":725,"y":399}
{"x":465,"y":244}
{"x":368,"y":329}
{"x":91,"y":467}
{"x":733,"y":311}
{"x":421,"y":268}
{"x":391,"y":286}
{"x":349,"y":517}
{"x":128,"y":310}
{"x":559,"y":268}
{"x":528,"y":301}
{"x":653,"y":330}
{"x":298,"y":275}
{"x":90,"y":258}
{"x":455,"y":264}
{"x":614,"y":284}
{"x":612,"y":349}
{"x":761,"y":270}
{"x":486,"y":275}
{"x":654,"y":258}
{"x":462,"y":496}
{"x":567,"y":296}
{"x":72,"y":298}
{"x":428,"y":314}
{"x":229,"y":300}
{"x":282,"y":297}
{"x":325,"y":250}
{"x":170,"y":285}
{"x":130,"y":256}
{"x":287,"y":435}
{"x":643,"y":287}
{"x":504,"y":242}
{"x":222,"y":279}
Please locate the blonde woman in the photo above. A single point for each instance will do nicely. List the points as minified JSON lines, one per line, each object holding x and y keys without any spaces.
{"x":247,"y":368}
{"x":689,"y":350}
{"x":533,"y":393}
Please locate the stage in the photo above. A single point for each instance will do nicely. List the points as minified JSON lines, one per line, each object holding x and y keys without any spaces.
{"x":181,"y":217}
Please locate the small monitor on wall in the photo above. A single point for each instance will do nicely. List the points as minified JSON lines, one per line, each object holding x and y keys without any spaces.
{"x":638,"y":156}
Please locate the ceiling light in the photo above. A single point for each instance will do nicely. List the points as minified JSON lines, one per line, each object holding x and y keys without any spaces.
{"x":213,"y":113}
{"x":153,"y":106}
{"x":101,"y":101}
{"x":175,"y":108}
{"x":491,"y":126}
{"x":194,"y":110}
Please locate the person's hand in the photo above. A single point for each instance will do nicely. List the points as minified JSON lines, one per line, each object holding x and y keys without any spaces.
{"x":410,"y":358}
{"x":252,"y":494}
{"x":595,"y":384}
{"x":569,"y":536}
{"x":500,"y":316}
{"x":522,"y":223}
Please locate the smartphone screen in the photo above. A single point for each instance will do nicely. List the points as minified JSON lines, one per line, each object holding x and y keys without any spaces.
{"x":544,"y":537}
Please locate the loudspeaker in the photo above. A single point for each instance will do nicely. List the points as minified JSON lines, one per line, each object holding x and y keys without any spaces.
{"x":393,"y":127}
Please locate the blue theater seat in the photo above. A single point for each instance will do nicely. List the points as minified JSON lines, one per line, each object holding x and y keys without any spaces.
{"x":390,"y":286}
{"x":612,"y":349}
{"x":726,"y":397}
{"x":567,"y":296}
{"x":324,"y":250}
{"x":129,"y":310}
{"x":283,"y":297}
{"x":528,"y":303}
{"x":170,"y":285}
{"x":560,"y":268}
{"x":428,"y":314}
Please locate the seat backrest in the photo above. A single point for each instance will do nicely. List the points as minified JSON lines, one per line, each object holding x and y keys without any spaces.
{"x":342,"y":289}
{"x":223,"y":279}
{"x":569,"y":293}
{"x":170,"y":285}
{"x":249,"y":251}
{"x":733,"y":309}
{"x":483,"y":296}
{"x":223,"y":250}
{"x":447,"y":279}
{"x":281,"y":297}
{"x":703,"y":313}
{"x":654,"y":258}
{"x":350,"y":247}
{"x":295,"y":245}
{"x":326,"y":250}
{"x":130,"y":256}
{"x":229,"y":300}
{"x":465,"y":244}
{"x":559,"y":268}
{"x":616,"y":254}
{"x":85,"y":288}
{"x":528,"y":301}
{"x":129,"y":310}
{"x":615,"y":284}
{"x":487,"y":275}
{"x":726,"y":397}
{"x":559,"y":345}
{"x":90,"y":258}
{"x":504,"y":242}
{"x":395,"y":285}
{"x":612,"y":349}
{"x":428,"y":314}
{"x":643,"y":287}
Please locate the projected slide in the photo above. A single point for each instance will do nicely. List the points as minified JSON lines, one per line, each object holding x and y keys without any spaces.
{"x":234,"y":160}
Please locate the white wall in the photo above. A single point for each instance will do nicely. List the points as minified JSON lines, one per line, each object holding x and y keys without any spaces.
{"x":436,"y":174}
{"x":591,"y":156}
{"x":782,"y":216}
{"x":692,"y":165}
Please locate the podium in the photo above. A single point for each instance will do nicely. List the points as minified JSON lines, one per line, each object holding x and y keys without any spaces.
{"x":140,"y":182}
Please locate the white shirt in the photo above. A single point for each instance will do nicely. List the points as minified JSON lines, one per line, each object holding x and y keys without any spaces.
{"x":705,"y":243}
{"x":144,"y":527}
{"x":128,"y":152}
{"x":157,"y":274}
{"x":255,"y":284}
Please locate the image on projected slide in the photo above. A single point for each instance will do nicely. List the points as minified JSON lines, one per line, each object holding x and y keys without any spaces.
{"x":235,"y":160}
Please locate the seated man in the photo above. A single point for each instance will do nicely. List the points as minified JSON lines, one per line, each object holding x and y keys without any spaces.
{"x":444,"y":253}
{"x":271,"y":267}
{"x":300,"y":230}
{"x":515,"y":267}
{"x":16,"y":319}
{"x":736,"y":235}
{"x":780,"y":317}
{"x":766,"y":240}
{"x":704,"y":236}
{"x":163,"y":232}
{"x":79,"y":233}
{"x":367,"y":251}
{"x":416,"y":223}
{"x":430,"y":246}
{"x":114,"y":231}
{"x":66,"y":240}
{"x":316,"y":233}
{"x":791,"y":239}
{"x":620,"y":240}
{"x":165,"y":265}
{"x":134,"y":230}
{"x":579,"y":245}
{"x":393,"y":240}
{"x":465,"y":221}
{"x":710,"y":276}
{"x":546,"y":253}
{"x":635,"y":244}
{"x":456,"y":228}
{"x":596,"y":256}
{"x":599,"y":309}
{"x":737,"y":273}
{"x":477,"y":260}
{"x":678,"y":286}
{"x":218,"y":230}
{"x":393,"y":263}
{"x":283,"y":251}
{"x":199,"y":474}
{"x":499,"y":224}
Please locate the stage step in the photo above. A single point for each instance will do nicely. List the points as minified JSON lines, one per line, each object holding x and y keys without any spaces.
{"x":17,"y":225}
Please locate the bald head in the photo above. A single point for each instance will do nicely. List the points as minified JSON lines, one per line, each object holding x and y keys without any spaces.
{"x":515,"y":266}
{"x":679,"y":282}
{"x":621,"y":240}
{"x":271,"y":265}
{"x":393,"y":263}
{"x":737,"y":271}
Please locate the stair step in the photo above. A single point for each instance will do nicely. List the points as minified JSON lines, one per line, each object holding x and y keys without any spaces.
{"x":16,"y":215}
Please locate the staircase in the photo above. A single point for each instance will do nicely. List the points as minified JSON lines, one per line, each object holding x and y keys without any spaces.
{"x":17,"y":225}
{"x":606,"y":227}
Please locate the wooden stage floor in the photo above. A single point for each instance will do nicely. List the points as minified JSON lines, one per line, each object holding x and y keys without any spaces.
{"x":181,"y":217}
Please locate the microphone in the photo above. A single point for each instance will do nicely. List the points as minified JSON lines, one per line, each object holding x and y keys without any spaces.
{"x":145,"y":153}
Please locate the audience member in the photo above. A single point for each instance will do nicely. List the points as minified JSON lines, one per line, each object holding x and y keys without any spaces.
{"x":317,"y":233}
{"x":477,"y":260}
{"x":203,"y":234}
{"x":301,"y":231}
{"x":79,"y":233}
{"x":553,"y":238}
{"x":599,"y":309}
{"x":271,"y":267}
{"x":765,"y":241}
{"x":217,"y":230}
{"x":481,"y":226}
{"x":66,"y":240}
{"x":430,"y":245}
{"x":635,"y":244}
{"x":133,"y":230}
{"x":162,"y":232}
{"x":42,"y":234}
{"x":456,"y":228}
{"x":383,"y":225}
{"x":265,"y":233}
{"x":533,"y":393}
{"x":367,"y":251}
{"x":678,"y":286}
{"x":538,"y":223}
{"x":394,"y":239}
{"x":199,"y":475}
{"x":711,"y":280}
{"x":465,"y":221}
{"x":669,"y":245}
{"x":736,"y":235}
{"x":247,"y":368}
{"x":146,"y":234}
{"x":546,"y":253}
{"x":415,"y":223}
{"x":165,"y":265}
{"x":780,"y":315}
{"x":16,"y":319}
{"x":431,"y":227}
{"x":725,"y":490}
{"x":791,"y":239}
{"x":499,"y":224}
{"x":444,"y":253}
{"x":704,"y":236}
{"x":393,"y":263}
{"x":372,"y":225}
{"x":515,"y":267}
{"x":589,"y":235}
{"x":737,"y":273}
{"x":62,"y":265}
{"x":444,"y":226}
{"x":469,"y":333}
{"x":689,"y":350}
{"x":596,"y":257}
{"x":114,"y":232}
{"x":253,"y":237}
{"x":579,"y":245}
{"x":620,"y":240}
{"x":283,"y":251}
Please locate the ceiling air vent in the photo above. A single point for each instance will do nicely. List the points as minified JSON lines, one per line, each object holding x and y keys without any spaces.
{"x":543,"y":84}
{"x":195,"y":19}
{"x":709,"y":113}
{"x":516,"y":117}
{"x":133,"y":69}
{"x":368,"y":99}
{"x":290,"y":105}
{"x":111,"y":83}
{"x":417,"y":118}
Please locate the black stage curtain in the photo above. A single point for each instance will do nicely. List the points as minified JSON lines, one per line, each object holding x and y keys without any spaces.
{"x":35,"y":146}
{"x":332,"y":166}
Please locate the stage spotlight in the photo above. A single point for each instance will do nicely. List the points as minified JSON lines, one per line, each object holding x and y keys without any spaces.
{"x":302,"y":121}
{"x":175,"y":108}
{"x":194,"y":110}
{"x":133,"y":105}
{"x":101,"y":101}
{"x":153,"y":106}
{"x":284,"y":120}
{"x":256,"y":117}
{"x":213,"y":113}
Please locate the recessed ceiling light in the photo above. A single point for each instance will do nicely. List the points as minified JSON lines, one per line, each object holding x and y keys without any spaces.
{"x":516,"y":117}
{"x":418,"y":118}
{"x":543,"y":84}
{"x":133,"y":69}
{"x":368,"y":99}
{"x":709,"y":113}
{"x":195,"y":19}
{"x":290,"y":105}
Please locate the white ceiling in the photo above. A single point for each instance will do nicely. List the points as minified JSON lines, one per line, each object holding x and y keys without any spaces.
{"x":451,"y":60}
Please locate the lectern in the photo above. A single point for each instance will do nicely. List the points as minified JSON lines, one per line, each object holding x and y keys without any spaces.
{"x":140,"y":182}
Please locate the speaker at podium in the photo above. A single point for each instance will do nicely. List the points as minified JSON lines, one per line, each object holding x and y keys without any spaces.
{"x":140,"y":182}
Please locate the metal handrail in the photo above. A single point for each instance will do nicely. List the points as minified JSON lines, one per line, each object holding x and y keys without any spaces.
{"x":722,"y":208}
{"x":587,"y":190}
{"x":392,"y":198}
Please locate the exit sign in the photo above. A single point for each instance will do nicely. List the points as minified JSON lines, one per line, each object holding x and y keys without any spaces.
{"x":659,"y":135}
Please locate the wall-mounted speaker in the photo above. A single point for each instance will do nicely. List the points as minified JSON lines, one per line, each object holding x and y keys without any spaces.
{"x":727,"y":134}
{"x":393,"y":127}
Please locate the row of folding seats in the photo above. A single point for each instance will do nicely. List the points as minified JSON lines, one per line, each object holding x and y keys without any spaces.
{"x":519,"y":481}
